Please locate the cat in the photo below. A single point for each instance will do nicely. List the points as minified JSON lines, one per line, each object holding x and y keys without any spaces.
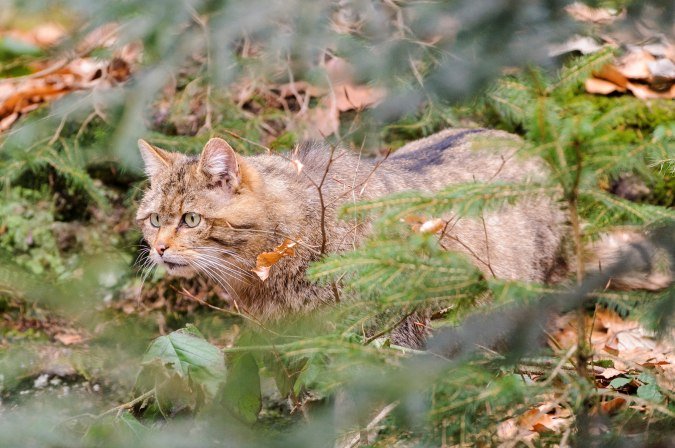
{"x":215,"y":213}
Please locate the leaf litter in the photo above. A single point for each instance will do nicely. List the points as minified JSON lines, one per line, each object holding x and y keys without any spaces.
{"x":52,"y":79}
{"x":645,"y":69}
{"x":641,"y":366}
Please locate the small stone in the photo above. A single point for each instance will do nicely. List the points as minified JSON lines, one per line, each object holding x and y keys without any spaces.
{"x":41,"y":381}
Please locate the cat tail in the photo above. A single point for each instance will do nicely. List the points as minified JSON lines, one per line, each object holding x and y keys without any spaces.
{"x":635,"y":260}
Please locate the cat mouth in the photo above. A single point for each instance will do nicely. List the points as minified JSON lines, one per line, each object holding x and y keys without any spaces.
{"x":171,"y":265}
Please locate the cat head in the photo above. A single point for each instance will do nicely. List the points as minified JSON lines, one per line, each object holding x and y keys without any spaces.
{"x":201,"y":213}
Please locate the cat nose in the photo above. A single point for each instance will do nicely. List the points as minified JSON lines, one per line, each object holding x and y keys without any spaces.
{"x":160,"y":248}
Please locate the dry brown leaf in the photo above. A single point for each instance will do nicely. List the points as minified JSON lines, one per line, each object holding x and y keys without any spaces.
{"x":351,"y":97}
{"x":585,"y":13}
{"x":54,"y":79}
{"x":8,"y":121}
{"x":43,"y":35}
{"x":348,"y":95}
{"x":645,"y":71}
{"x":582,"y":44}
{"x":611,"y":73}
{"x":299,"y":87}
{"x":322,"y":120}
{"x":623,"y":341}
{"x":69,"y":338}
{"x":611,"y":372}
{"x":266,"y":260}
{"x":634,"y":65}
{"x":545,"y":418}
{"x":104,"y":36}
{"x":644,"y":92}
{"x":613,"y":406}
{"x":601,"y":87}
{"x":432,"y":226}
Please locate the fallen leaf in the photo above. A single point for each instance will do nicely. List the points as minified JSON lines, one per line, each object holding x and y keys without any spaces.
{"x":43,"y":35}
{"x":613,"y":406}
{"x":545,"y":418}
{"x":69,"y":338}
{"x":634,"y":65}
{"x":321,"y":121}
{"x":299,"y":87}
{"x":56,"y":78}
{"x":601,"y":87}
{"x":266,"y":260}
{"x":541,"y":428}
{"x":348,"y":94}
{"x":611,"y":73}
{"x":618,"y":383}
{"x":644,"y":92}
{"x":8,"y":121}
{"x":582,"y":44}
{"x":610,"y":372}
{"x":433,"y":226}
{"x":584,"y":13}
{"x":350,"y":97}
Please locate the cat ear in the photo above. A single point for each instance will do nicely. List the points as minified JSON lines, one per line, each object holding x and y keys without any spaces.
{"x":219,"y":161}
{"x":155,"y":159}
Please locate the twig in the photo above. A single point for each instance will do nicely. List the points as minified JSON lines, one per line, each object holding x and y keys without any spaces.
{"x":57,"y":134}
{"x":390,"y":328}
{"x":357,"y":439}
{"x":128,"y":405}
{"x":203,"y":24}
{"x":560,"y":365}
{"x":487,"y":246}
{"x":245,"y":316}
{"x":244,"y":139}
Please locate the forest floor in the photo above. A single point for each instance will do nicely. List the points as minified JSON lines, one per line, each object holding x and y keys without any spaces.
{"x":55,"y":223}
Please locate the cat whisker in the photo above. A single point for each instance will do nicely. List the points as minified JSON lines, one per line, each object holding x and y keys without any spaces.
{"x":219,"y":250}
{"x":214,"y":252}
{"x":221,"y":261}
{"x":216,"y":264}
{"x":217,"y":277}
{"x":147,"y":270}
{"x":224,"y":272}
{"x":143,"y":256}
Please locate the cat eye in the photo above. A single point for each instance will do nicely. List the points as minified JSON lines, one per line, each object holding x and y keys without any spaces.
{"x":154,"y":220}
{"x":191,"y":219}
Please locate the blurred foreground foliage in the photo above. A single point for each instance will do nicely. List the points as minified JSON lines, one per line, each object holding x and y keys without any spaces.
{"x":82,"y":333}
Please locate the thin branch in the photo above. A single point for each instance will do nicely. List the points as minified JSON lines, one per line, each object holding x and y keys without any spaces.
{"x":128,"y":405}
{"x":487,"y":246}
{"x":390,"y":328}
{"x":362,"y":437}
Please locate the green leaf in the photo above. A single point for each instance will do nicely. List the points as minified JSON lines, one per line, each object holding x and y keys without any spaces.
{"x":649,"y":392}
{"x":311,"y":372}
{"x":241,"y":393}
{"x":604,"y":363}
{"x":285,"y":371}
{"x":129,"y":422}
{"x":619,"y":382}
{"x":10,"y":47}
{"x":646,"y":378}
{"x":191,"y":356}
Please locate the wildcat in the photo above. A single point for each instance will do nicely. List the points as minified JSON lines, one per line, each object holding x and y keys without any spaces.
{"x":215,"y":213}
